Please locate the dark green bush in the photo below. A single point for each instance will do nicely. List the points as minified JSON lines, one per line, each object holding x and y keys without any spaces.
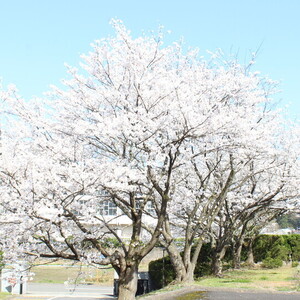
{"x":161,"y":272}
{"x":271,"y":263}
{"x":295,"y":264}
{"x":269,"y":249}
{"x":285,"y":247}
{"x":203,"y":266}
{"x":280,"y":249}
{"x":260,"y":247}
{"x":293,"y":240}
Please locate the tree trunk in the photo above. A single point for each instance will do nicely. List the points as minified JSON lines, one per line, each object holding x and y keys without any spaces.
{"x":189,"y":275}
{"x":184,"y":269}
{"x":217,"y":261}
{"x":250,"y":256}
{"x":237,"y":255}
{"x":191,"y":264}
{"x":177,"y":263}
{"x":128,"y":283}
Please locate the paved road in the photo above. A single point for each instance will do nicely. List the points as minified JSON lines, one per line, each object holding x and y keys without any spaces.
{"x":92,"y":292}
{"x":227,"y":295}
{"x":221,"y":295}
{"x":61,"y":291}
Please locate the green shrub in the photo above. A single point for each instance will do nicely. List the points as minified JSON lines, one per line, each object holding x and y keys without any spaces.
{"x":203,"y":266}
{"x":295,"y":264}
{"x":280,"y":249}
{"x":260,"y":246}
{"x":285,"y":247}
{"x":271,"y":263}
{"x":272,"y":250}
{"x":161,"y":272}
{"x":293,"y":240}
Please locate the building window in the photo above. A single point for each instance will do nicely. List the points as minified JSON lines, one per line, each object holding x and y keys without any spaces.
{"x":150,"y":208}
{"x":78,"y":207}
{"x":108,"y":208}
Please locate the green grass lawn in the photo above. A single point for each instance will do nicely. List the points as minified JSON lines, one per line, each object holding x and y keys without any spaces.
{"x":4,"y":295}
{"x":281,"y":279}
{"x":62,"y":271}
{"x":73,"y":273}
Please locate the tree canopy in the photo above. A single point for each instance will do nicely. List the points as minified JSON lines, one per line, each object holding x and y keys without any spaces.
{"x":139,"y":125}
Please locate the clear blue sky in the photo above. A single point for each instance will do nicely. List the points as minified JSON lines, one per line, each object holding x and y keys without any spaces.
{"x":38,"y":36}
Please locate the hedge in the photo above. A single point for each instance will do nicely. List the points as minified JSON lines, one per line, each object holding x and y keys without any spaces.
{"x":283,"y":247}
{"x":161,"y":271}
{"x":271,"y":250}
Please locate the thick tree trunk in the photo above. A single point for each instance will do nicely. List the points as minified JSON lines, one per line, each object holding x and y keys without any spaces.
{"x":189,"y":275}
{"x":177,"y":263}
{"x":250,"y":256}
{"x":184,"y":269}
{"x":184,"y":266}
{"x":217,"y":265}
{"x":128,"y":283}
{"x":190,"y":265}
{"x":237,"y":255}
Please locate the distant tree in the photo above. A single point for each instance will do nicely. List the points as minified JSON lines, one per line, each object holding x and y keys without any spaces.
{"x":289,"y":220}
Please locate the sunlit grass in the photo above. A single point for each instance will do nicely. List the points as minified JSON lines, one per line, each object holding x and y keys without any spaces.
{"x":4,"y":295}
{"x":72,"y":273}
{"x":263,"y":279}
{"x":61,"y":271}
{"x":282,"y":279}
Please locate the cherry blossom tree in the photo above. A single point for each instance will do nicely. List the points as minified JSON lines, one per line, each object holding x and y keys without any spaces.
{"x":192,"y":219}
{"x":139,"y":125}
{"x":266,"y":185}
{"x":122,"y":132}
{"x":246,"y":235}
{"x":231,"y":170}
{"x":218,"y":169}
